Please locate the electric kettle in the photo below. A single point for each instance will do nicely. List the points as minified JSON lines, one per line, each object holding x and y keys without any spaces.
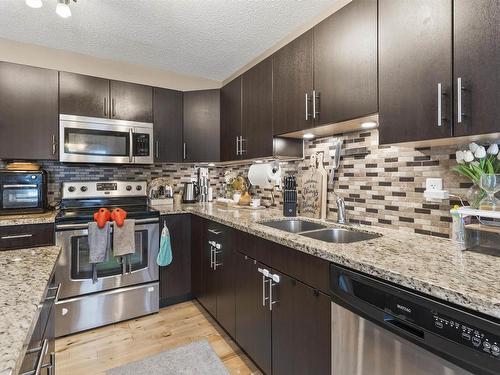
{"x":190,"y":193}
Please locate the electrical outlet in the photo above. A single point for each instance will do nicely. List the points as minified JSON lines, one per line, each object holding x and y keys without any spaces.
{"x":434,"y":184}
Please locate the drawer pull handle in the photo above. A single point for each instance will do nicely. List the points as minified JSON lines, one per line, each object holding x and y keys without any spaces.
{"x":213,"y":231}
{"x":14,"y":236}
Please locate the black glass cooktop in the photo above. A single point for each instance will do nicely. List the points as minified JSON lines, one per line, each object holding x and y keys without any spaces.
{"x":86,"y":214}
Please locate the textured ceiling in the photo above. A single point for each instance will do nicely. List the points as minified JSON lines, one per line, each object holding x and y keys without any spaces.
{"x":205,"y":38}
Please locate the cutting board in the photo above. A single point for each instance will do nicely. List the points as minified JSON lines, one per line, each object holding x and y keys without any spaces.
{"x":324,"y":184}
{"x":311,"y":191}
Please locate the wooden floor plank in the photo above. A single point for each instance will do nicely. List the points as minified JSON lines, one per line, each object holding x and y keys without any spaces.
{"x":101,"y":349}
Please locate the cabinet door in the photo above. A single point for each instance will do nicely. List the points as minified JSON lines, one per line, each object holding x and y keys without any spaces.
{"x":476,"y":57}
{"x":258,"y":110}
{"x":130,"y":101}
{"x":292,"y":80}
{"x":198,"y":239}
{"x":300,"y":329}
{"x":253,"y":318}
{"x":202,"y":125}
{"x":224,"y":261}
{"x":230,"y":117}
{"x":29,"y":119}
{"x":414,"y":58}
{"x":175,"y":279}
{"x":83,"y":95}
{"x":345,"y":63}
{"x":167,"y":119}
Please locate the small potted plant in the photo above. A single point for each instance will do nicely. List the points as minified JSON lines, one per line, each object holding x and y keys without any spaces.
{"x":474,"y":161}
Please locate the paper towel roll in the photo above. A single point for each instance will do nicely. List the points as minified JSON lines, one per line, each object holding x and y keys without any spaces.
{"x":265,"y":174}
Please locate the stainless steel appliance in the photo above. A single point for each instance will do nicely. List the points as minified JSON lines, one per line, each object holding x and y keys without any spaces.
{"x":100,"y":140}
{"x":120,"y":293}
{"x":22,"y":192}
{"x":380,"y":329}
{"x":190,"y":193}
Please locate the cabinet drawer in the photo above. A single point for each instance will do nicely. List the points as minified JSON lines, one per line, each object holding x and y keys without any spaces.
{"x":24,"y":236}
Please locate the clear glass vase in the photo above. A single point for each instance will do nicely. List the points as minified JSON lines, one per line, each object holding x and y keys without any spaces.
{"x":490,"y":184}
{"x":474,"y":196}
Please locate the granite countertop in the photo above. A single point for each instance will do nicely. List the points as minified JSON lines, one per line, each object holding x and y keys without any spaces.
{"x":43,"y":218}
{"x":430,"y":265}
{"x":24,"y":279}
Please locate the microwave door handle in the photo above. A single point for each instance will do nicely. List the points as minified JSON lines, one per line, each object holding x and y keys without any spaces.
{"x":19,"y":186}
{"x":131,"y":146}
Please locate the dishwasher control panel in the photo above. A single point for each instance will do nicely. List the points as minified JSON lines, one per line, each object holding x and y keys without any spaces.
{"x":466,"y":334}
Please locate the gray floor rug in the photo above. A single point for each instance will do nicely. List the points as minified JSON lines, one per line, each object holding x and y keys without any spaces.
{"x":195,"y":358}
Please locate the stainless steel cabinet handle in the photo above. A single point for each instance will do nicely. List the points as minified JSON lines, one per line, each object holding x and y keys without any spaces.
{"x":237,"y":145}
{"x":274,"y":280}
{"x":265,"y":274}
{"x":184,"y":151}
{"x":314,"y":97}
{"x":157,"y":149}
{"x":439,"y":114}
{"x":54,"y":144}
{"x":217,"y":247}
{"x":211,"y":243}
{"x":460,"y":88}
{"x":131,"y":146}
{"x":242,"y":150}
{"x":213,"y":231}
{"x":113,"y":107}
{"x":307,"y":107}
{"x":105,"y":107}
{"x":14,"y":236}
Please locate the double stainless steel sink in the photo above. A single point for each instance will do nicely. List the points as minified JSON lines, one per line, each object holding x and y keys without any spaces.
{"x":319,"y":231}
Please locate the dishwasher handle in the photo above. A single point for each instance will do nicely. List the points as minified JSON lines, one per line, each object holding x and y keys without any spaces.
{"x":403,"y":327}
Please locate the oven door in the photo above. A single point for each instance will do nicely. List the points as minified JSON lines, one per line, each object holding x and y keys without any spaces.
{"x":20,"y":197}
{"x":75,"y":273}
{"x":95,"y":140}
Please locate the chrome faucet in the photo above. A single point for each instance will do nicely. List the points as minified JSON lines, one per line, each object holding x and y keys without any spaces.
{"x":341,"y":217}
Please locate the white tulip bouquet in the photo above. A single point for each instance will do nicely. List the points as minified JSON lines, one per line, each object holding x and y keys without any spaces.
{"x":477,"y":160}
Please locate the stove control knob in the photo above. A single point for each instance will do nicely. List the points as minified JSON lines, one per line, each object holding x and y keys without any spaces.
{"x":495,"y":350}
{"x":71,"y":189}
{"x":128,"y":187}
{"x":138,"y":187}
{"x":84,"y":189}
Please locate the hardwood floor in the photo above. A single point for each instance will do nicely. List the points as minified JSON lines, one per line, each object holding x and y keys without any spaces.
{"x":95,"y":351}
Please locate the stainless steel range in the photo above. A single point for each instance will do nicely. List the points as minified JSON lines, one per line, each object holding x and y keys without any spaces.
{"x":121,"y":292}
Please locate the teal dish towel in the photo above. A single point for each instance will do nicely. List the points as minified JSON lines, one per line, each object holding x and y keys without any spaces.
{"x":165,"y":254}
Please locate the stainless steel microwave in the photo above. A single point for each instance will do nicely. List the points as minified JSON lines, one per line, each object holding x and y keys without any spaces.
{"x":101,"y":140}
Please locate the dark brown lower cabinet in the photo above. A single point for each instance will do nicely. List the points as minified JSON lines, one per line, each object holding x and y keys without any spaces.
{"x":301,"y":321}
{"x":24,"y":236}
{"x":175,"y":279}
{"x":253,"y":317}
{"x":198,"y":239}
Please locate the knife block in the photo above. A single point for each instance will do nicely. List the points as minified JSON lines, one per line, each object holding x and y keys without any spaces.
{"x":290,"y":203}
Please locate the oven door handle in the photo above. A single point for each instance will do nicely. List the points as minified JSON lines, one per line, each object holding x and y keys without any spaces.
{"x":86,"y":225}
{"x":131,"y":145}
{"x":20,"y":186}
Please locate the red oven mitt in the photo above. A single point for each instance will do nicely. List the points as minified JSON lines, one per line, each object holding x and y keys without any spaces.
{"x":102,"y":216}
{"x":118,"y":215}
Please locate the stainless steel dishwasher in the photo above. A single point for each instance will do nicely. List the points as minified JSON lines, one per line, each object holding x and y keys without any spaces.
{"x":382,"y":329}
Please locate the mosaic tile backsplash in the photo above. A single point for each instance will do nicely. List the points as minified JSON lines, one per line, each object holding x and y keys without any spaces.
{"x":381,"y":185}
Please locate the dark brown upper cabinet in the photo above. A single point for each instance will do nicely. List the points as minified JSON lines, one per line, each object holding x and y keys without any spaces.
{"x":415,"y":62}
{"x":345,"y":63}
{"x":476,"y":69}
{"x":293,"y":85}
{"x":257,"y":126}
{"x":201,"y":126}
{"x":167,"y":119}
{"x":83,"y":95}
{"x":230,"y":141}
{"x":130,"y":101}
{"x":29,"y":119}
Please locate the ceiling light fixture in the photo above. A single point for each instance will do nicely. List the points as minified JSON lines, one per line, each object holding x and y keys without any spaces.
{"x":369,"y":125}
{"x":62,"y":8}
{"x":34,"y":3}
{"x":308,"y":136}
